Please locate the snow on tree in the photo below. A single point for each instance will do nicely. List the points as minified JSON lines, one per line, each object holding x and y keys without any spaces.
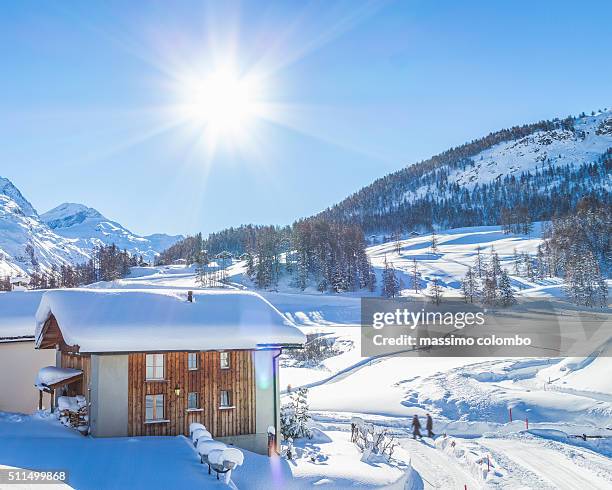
{"x":295,"y":416}
{"x":479,"y":263}
{"x":434,"y":243}
{"x":250,"y":265}
{"x":390,"y":283}
{"x":200,"y":270}
{"x":489,"y":290}
{"x":469,"y":286}
{"x":517,"y":263}
{"x":397,"y":237}
{"x":436,"y":292}
{"x":494,"y":265}
{"x":416,"y":277}
{"x":585,"y":284}
{"x":506,"y":294}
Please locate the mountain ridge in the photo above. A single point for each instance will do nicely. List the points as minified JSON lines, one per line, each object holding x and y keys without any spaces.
{"x":66,"y":234}
{"x":463,"y":178}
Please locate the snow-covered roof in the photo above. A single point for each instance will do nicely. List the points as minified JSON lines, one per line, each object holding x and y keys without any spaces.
{"x":121,"y":320}
{"x":17,"y":314}
{"x":51,"y":375}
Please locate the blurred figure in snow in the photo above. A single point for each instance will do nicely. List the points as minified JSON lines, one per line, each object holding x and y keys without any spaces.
{"x":416,"y":428}
{"x":429,"y":426}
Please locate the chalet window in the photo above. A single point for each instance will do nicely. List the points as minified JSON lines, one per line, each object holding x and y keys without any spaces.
{"x":225,"y":400}
{"x":155,"y":366}
{"x":192,"y":361}
{"x":192,"y":401}
{"x":225,"y":360}
{"x":154,"y":407}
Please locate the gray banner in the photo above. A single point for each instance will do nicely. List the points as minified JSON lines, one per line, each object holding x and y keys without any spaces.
{"x":534,"y":327}
{"x":26,"y":477}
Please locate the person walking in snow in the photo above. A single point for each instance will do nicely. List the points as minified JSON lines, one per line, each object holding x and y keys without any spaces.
{"x":429,"y":426}
{"x":416,"y":427}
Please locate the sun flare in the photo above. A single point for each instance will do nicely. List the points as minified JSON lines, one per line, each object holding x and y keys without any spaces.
{"x":222,"y":103}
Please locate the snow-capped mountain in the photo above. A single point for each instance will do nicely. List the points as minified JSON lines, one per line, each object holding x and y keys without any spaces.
{"x":26,"y":242}
{"x":89,"y":228}
{"x":543,"y":167}
{"x":10,"y":191}
{"x":64,"y":235}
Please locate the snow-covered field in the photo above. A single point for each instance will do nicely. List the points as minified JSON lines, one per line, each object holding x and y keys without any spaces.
{"x":40,"y":442}
{"x":468,"y":398}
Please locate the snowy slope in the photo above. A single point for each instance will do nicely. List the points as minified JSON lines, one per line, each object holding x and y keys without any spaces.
{"x":89,"y":228}
{"x":591,"y":137}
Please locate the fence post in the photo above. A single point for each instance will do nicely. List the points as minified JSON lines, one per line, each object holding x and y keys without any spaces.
{"x":510,"y":414}
{"x":526,"y":423}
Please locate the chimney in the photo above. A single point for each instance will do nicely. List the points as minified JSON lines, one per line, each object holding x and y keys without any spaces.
{"x":190,"y":296}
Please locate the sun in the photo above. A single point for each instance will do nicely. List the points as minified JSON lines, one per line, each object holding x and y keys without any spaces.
{"x":222,"y":103}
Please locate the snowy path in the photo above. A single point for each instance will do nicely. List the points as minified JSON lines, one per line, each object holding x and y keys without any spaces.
{"x":436,"y":469}
{"x":557,"y":465}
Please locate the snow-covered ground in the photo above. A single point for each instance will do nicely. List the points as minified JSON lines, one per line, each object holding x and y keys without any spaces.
{"x":40,"y":442}
{"x":468,"y":398}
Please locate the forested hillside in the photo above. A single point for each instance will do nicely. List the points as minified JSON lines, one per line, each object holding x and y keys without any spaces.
{"x":544,"y":168}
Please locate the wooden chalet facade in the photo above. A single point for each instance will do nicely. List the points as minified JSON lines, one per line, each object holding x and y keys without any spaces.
{"x":233,"y":391}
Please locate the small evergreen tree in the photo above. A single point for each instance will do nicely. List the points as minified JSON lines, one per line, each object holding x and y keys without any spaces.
{"x":436,"y":292}
{"x":469,"y":286}
{"x":506,"y":294}
{"x":479,"y":263}
{"x":295,"y":416}
{"x":390,"y":285}
{"x":416,"y":277}
{"x":434,"y":243}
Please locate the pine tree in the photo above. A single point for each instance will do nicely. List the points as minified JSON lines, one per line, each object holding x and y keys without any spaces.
{"x":200,"y":269}
{"x":495,"y":265}
{"x":250,"y":265}
{"x":398,"y":242}
{"x":585,"y":285}
{"x":540,"y":263}
{"x":469,"y":286}
{"x":371,"y":280}
{"x":479,"y":264}
{"x":489,"y":290}
{"x":506,"y":294}
{"x":434,"y":243}
{"x":390,"y":285}
{"x":517,"y":261}
{"x":436,"y":292}
{"x":416,"y":277}
{"x":528,"y":266}
{"x":295,"y":416}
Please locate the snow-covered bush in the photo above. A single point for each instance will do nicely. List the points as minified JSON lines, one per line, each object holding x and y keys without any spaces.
{"x":295,"y":416}
{"x":372,"y":440}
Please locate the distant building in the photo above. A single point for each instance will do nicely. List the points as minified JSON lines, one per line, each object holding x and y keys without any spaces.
{"x":19,"y":361}
{"x":20,"y":283}
{"x":152,"y":362}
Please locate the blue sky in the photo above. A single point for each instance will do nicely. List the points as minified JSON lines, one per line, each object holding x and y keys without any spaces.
{"x":362,"y":88}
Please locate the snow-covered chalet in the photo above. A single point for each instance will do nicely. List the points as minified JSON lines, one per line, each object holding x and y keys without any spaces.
{"x":150,"y":362}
